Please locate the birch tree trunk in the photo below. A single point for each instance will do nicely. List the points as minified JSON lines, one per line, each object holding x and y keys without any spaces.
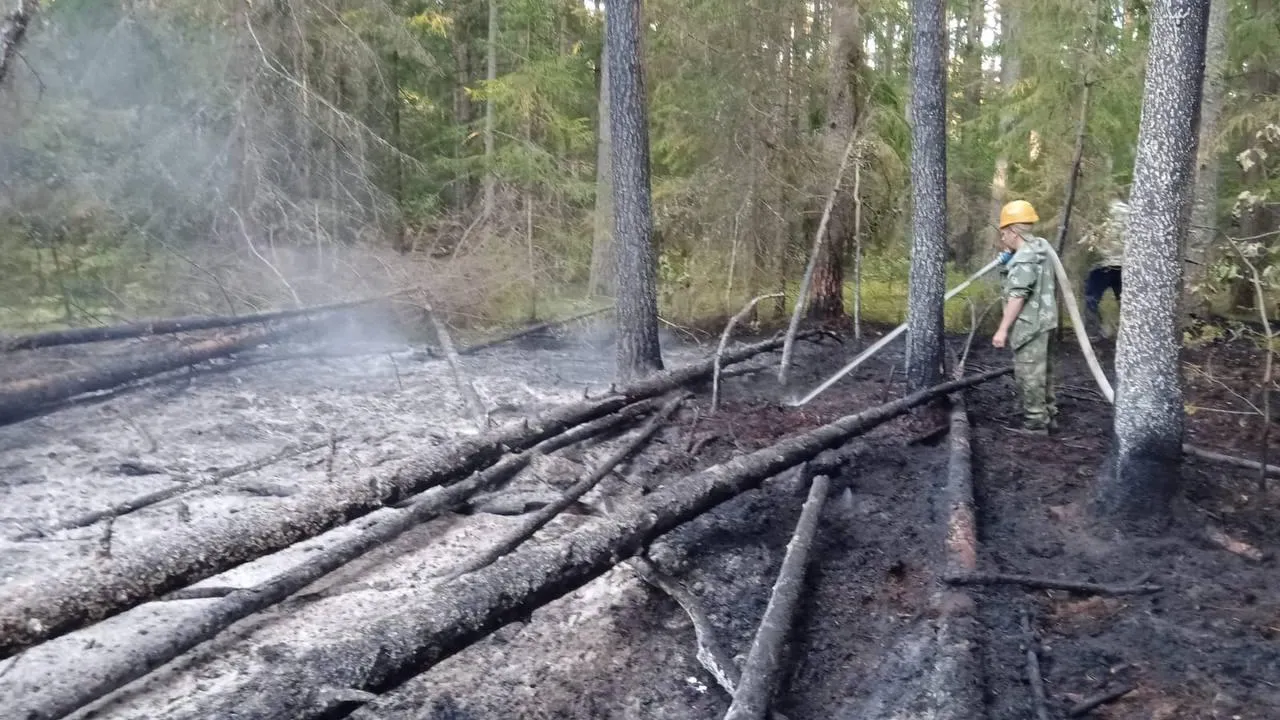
{"x":1204,"y":209}
{"x":600,"y":281}
{"x":638,"y":350}
{"x":1147,"y":450}
{"x":927,"y":280}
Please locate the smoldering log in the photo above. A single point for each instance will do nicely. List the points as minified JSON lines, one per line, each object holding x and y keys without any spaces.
{"x":377,"y":650}
{"x":56,"y":699}
{"x":33,"y":610}
{"x":165,"y":326}
{"x":22,"y":398}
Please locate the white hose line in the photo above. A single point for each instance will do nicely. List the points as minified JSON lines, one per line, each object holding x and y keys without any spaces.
{"x":1082,"y":337}
{"x":879,"y":344}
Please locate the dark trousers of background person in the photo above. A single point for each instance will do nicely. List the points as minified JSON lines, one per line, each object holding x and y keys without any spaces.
{"x":1099,"y":280}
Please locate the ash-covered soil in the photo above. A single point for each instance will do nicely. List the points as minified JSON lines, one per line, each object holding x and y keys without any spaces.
{"x":1204,"y":647}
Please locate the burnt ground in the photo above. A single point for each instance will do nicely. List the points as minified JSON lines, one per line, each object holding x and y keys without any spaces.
{"x":1204,"y":647}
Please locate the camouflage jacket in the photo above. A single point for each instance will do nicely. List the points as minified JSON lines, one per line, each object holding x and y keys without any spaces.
{"x":1030,"y":276}
{"x":1106,"y":240}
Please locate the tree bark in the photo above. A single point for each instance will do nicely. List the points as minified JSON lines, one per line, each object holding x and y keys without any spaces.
{"x":1147,"y":450}
{"x":1204,"y":212}
{"x":36,"y":609}
{"x":638,"y":350}
{"x":826,"y":298}
{"x":20,"y":399}
{"x":1010,"y":74}
{"x":491,"y":75}
{"x":380,"y":649}
{"x":601,"y":279}
{"x":928,"y":276}
{"x":13,"y":30}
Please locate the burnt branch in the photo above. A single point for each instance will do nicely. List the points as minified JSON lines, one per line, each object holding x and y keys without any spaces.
{"x":1038,"y":583}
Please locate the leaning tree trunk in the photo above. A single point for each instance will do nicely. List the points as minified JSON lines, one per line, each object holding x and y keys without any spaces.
{"x":1147,"y":451}
{"x":638,"y":350}
{"x":600,"y":280}
{"x":1204,"y":210}
{"x":928,"y":277}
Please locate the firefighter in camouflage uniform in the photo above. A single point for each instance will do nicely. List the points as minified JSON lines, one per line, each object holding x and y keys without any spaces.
{"x":1030,"y":315}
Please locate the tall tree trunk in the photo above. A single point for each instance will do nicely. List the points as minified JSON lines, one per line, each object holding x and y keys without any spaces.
{"x":491,"y":75}
{"x":1204,"y":209}
{"x":1010,"y":73}
{"x":637,"y":303}
{"x":1147,"y":451}
{"x":928,"y":277}
{"x":461,"y":195}
{"x":971,"y":185}
{"x":826,"y":298}
{"x":600,"y":281}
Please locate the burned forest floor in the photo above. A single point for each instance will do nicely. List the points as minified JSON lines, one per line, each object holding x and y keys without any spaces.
{"x":1206,"y":645}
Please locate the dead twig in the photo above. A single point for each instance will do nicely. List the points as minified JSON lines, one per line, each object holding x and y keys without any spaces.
{"x":760,"y":672}
{"x":546,"y":514}
{"x":1091,"y":703}
{"x":1260,"y":299}
{"x":468,"y":391}
{"x":724,"y":339}
{"x":1033,"y":669}
{"x":1136,"y":588}
{"x":1222,"y":459}
{"x":711,"y":655}
{"x":1216,"y":536}
{"x":149,"y":499}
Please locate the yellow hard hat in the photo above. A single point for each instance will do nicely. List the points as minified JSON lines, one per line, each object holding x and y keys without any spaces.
{"x":1018,"y":211}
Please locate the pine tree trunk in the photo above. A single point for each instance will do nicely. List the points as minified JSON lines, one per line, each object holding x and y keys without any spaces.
{"x":927,"y":281}
{"x":1204,"y":209}
{"x":461,"y":194}
{"x":1147,"y":450}
{"x":637,"y":297}
{"x":491,"y":75}
{"x":826,"y":297}
{"x":971,"y":185}
{"x":600,"y":282}
{"x":1010,"y":73}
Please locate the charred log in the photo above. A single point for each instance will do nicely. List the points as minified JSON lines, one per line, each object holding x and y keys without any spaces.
{"x":382,"y":648}
{"x":33,"y":610}
{"x":21,"y":399}
{"x":168,"y":326}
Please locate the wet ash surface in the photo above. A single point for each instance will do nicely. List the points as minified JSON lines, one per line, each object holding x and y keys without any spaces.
{"x":1205,"y":647}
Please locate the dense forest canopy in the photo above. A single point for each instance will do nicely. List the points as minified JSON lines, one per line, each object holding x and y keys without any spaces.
{"x":176,"y":157}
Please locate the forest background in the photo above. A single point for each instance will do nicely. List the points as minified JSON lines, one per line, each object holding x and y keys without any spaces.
{"x":198,"y":156}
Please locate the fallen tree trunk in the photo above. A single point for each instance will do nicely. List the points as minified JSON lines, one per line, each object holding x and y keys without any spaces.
{"x":1233,"y":461}
{"x":21,"y":398}
{"x":167,"y":326}
{"x":33,"y":610}
{"x":56,"y":699}
{"x":760,"y":672}
{"x":530,"y":330}
{"x":380,"y":648}
{"x":538,"y":519}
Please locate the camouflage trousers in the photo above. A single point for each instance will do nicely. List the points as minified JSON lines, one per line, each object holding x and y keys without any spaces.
{"x":1033,"y":373}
